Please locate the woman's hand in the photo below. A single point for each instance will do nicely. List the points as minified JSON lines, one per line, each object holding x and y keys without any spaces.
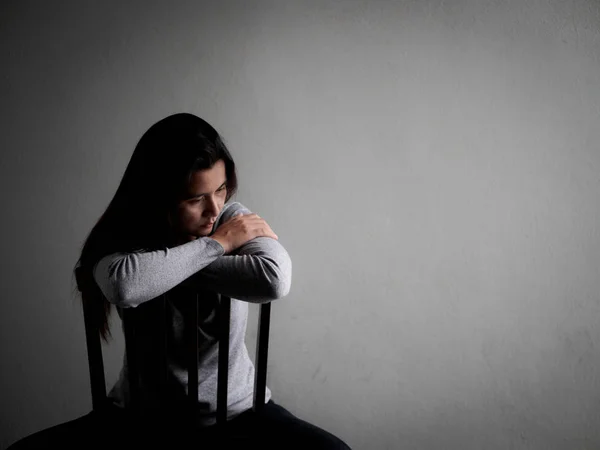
{"x":240,"y":229}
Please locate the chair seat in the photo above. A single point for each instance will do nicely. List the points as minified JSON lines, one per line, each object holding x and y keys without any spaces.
{"x":110,"y":428}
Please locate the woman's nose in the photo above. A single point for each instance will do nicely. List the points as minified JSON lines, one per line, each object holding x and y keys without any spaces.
{"x":212,"y":207}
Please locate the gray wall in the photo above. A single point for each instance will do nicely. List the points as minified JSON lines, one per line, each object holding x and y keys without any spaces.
{"x":431,"y":167}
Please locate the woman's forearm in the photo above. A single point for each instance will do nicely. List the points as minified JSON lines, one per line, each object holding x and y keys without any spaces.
{"x":259,"y":271}
{"x":129,"y":279}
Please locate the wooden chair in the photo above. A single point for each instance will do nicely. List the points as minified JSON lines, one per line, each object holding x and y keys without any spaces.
{"x":131,"y":324}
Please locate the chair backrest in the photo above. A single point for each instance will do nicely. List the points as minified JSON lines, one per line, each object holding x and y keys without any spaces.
{"x":131,"y":323}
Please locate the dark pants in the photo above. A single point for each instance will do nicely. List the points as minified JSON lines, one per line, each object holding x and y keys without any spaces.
{"x":273,"y":428}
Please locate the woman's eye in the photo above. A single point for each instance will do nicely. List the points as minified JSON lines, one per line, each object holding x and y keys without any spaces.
{"x":199,"y":199}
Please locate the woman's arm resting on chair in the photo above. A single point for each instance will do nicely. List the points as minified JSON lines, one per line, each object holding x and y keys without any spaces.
{"x":258,"y":271}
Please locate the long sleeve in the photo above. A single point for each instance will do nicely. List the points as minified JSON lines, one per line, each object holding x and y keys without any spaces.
{"x":258,"y":271}
{"x":129,"y":279}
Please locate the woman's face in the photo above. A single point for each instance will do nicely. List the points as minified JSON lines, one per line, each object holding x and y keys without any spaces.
{"x":196,"y":213}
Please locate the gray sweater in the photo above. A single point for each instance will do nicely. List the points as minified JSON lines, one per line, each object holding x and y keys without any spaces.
{"x":257,"y":272}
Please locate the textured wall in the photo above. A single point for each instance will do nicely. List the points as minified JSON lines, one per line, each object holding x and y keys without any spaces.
{"x":431,"y":167}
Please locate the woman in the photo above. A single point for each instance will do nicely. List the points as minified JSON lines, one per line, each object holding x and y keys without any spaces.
{"x":172,"y":228}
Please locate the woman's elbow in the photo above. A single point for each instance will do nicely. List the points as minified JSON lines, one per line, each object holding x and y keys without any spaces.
{"x":281,"y":282}
{"x":124,"y":298}
{"x":280,"y":287}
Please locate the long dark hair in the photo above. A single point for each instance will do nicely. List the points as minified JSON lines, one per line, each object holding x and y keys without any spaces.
{"x":156,"y":177}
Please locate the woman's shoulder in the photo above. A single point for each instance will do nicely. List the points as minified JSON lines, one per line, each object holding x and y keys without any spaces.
{"x":231,"y":209}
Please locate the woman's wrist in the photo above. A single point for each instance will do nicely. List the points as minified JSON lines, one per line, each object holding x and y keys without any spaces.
{"x":223,"y":242}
